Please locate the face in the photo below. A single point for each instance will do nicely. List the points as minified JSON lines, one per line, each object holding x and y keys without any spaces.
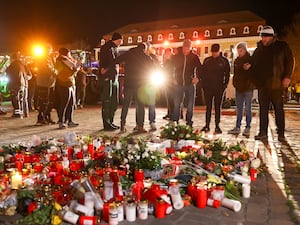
{"x":186,"y":50}
{"x":267,"y":40}
{"x":118,"y":42}
{"x":241,"y":52}
{"x":215,"y":54}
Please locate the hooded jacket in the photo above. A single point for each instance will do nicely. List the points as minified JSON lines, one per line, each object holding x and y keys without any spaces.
{"x":271,"y":64}
{"x":108,"y":54}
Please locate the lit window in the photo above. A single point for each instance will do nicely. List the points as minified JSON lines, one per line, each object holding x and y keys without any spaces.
{"x":219,"y":32}
{"x":181,"y":35}
{"x":129,"y":40}
{"x":259,"y":28}
{"x":232,"y":31}
{"x":149,"y":38}
{"x":139,"y":39}
{"x":195,"y":34}
{"x":207,"y":33}
{"x":246,"y":30}
{"x":160,"y":37}
{"x":171,"y":36}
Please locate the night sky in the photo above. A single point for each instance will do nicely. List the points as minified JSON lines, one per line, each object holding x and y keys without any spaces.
{"x":23,"y":22}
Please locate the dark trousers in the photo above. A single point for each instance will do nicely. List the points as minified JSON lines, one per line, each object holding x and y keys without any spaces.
{"x":215,"y":96}
{"x":129,"y":95}
{"x":17,"y":97}
{"x":110,"y":95}
{"x":170,"y":101}
{"x":265,"y":98}
{"x":66,"y":105}
{"x":80,"y":95}
{"x":43,"y":103}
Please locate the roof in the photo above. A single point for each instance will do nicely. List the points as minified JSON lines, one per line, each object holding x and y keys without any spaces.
{"x":195,"y":21}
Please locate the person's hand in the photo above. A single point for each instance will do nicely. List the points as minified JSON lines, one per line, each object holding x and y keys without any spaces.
{"x":195,"y":80}
{"x":246,"y":66}
{"x":103,"y":71}
{"x":286,"y":82}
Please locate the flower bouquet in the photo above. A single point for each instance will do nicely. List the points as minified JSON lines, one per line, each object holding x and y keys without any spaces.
{"x":180,"y":131}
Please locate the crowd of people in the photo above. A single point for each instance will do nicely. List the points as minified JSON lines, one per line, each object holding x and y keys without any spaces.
{"x":61,"y":84}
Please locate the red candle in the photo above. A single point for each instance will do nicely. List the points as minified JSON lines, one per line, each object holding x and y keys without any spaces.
{"x":79,"y":155}
{"x":91,"y":220}
{"x":253,"y":174}
{"x":91,"y":150}
{"x":201,"y":196}
{"x":31,"y":207}
{"x":19,"y":165}
{"x":191,"y":190}
{"x":105,"y":211}
{"x":160,"y":209}
{"x":70,"y":153}
{"x":139,"y":175}
{"x":27,"y":157}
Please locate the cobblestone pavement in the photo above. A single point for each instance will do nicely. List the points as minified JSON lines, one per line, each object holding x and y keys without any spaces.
{"x":275,"y":196}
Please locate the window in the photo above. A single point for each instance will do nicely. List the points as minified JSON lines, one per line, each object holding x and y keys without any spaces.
{"x":195,"y":34}
{"x":246,"y":30}
{"x":149,"y":38}
{"x":206,"y":50}
{"x":160,"y":37}
{"x":181,"y":35}
{"x":232,"y":31}
{"x":129,"y":40}
{"x":259,"y":28}
{"x":139,"y":39}
{"x":171,"y":36}
{"x":219,"y":32}
{"x":207,"y":33}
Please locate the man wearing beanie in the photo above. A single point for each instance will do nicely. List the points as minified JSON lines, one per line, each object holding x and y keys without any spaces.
{"x":214,"y":77}
{"x":187,"y":67}
{"x":109,"y":72}
{"x":273,"y":64}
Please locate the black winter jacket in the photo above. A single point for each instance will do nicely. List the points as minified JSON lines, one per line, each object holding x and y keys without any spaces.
{"x":108,"y":54}
{"x":242,"y":79}
{"x":280,"y":56}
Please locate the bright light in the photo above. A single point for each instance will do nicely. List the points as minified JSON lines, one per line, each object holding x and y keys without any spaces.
{"x":38,"y":50}
{"x":166,"y":43}
{"x":198,"y":42}
{"x":157,"y":78}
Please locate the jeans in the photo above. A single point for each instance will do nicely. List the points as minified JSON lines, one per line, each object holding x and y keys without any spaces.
{"x":216,"y":96}
{"x":188,"y":91}
{"x":241,"y":98}
{"x":110,"y":95}
{"x":129,"y":94}
{"x":265,"y":97}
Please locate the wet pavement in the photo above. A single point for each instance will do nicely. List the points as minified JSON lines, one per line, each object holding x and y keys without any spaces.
{"x":275,"y":196}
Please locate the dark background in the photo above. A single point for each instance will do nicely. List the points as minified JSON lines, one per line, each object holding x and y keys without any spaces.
{"x":23,"y":22}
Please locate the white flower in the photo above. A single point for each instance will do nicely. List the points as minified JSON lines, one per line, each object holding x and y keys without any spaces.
{"x":138,"y":157}
{"x":188,"y":136}
{"x":125,"y":160}
{"x":255,"y":163}
{"x":152,"y":157}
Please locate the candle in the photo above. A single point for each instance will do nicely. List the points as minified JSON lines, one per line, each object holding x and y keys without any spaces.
{"x":160,"y":209}
{"x":253,"y":174}
{"x":130,"y":211}
{"x":201,"y":196}
{"x":16,"y":180}
{"x":113,"y":214}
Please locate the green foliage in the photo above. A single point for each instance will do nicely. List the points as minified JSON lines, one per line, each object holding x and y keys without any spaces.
{"x":180,"y":131}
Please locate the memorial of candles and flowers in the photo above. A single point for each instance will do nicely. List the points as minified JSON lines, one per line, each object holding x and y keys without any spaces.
{"x":85,"y":180}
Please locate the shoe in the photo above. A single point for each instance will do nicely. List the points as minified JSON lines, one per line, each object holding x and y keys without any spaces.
{"x":109,"y":127}
{"x":246,"y":132}
{"x":2,"y":112}
{"x":205,"y":129}
{"x":51,"y":122}
{"x":152,"y":127}
{"x":166,"y":117}
{"x":72,"y":124}
{"x":62,"y":126}
{"x":281,"y":138}
{"x":218,"y":130}
{"x":235,"y":130}
{"x":261,"y":137}
{"x":17,"y":116}
{"x":114,"y":125}
{"x":140,"y":129}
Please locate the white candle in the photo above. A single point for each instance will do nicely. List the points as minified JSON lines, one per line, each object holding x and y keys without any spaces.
{"x":16,"y":181}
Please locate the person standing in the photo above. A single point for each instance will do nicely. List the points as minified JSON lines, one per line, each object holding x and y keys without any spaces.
{"x":81,"y":83}
{"x":16,"y":73}
{"x":109,"y":72}
{"x":137,"y":63}
{"x":187,"y":69}
{"x":273,"y":65}
{"x":65,"y":87}
{"x":215,"y":77}
{"x":242,"y":81}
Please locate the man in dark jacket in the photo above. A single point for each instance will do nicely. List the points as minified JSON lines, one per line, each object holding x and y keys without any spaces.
{"x":273,"y":64}
{"x":137,"y":65}
{"x":215,"y":76}
{"x":108,"y":69}
{"x":187,"y":68}
{"x":16,"y":73}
